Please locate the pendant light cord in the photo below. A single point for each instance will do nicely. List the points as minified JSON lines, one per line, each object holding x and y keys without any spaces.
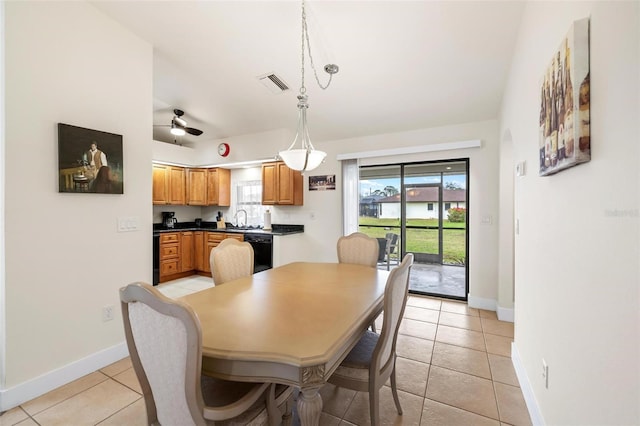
{"x":305,"y":37}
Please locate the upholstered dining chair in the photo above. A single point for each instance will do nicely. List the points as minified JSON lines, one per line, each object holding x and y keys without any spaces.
{"x":358,"y":248}
{"x":373,"y":360}
{"x":165,"y":344}
{"x":231,"y":260}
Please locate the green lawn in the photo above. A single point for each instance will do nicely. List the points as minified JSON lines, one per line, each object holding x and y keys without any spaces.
{"x":422,"y":240}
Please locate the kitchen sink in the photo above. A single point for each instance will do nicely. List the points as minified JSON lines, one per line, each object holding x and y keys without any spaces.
{"x":244,"y":228}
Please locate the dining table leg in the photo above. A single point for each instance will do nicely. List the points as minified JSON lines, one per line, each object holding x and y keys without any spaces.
{"x":310,"y":406}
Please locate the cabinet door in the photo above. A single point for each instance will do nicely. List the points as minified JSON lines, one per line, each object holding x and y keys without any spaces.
{"x":269,"y":183}
{"x":198,"y":250}
{"x":187,"y":252}
{"x":160,"y":184}
{"x":177,"y":185}
{"x":284,"y":184}
{"x":212,"y":187}
{"x":207,"y":264}
{"x":219,"y":187}
{"x":224,"y":187}
{"x":197,"y":187}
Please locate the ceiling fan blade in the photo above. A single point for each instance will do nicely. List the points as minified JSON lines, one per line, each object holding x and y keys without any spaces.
{"x":192,"y":131}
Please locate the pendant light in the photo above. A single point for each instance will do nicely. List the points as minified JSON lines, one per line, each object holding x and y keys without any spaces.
{"x":306,"y":157}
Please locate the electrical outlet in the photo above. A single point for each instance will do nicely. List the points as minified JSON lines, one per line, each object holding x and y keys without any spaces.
{"x":545,"y":373}
{"x":107,"y":313}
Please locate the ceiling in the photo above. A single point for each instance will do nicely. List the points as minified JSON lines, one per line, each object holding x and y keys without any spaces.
{"x":403,"y":64}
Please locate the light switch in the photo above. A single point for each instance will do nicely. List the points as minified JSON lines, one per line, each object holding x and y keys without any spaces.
{"x":487,"y":220}
{"x":128,"y":224}
{"x":520,"y":168}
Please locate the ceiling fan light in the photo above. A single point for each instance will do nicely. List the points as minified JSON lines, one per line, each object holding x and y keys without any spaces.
{"x":177,"y":131}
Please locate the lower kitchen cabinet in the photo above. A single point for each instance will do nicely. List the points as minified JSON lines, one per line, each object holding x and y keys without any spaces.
{"x":198,"y":250}
{"x":186,"y":253}
{"x":169,"y":255}
{"x":212,"y":241}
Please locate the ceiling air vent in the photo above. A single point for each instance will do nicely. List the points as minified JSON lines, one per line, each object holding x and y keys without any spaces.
{"x":273,"y":83}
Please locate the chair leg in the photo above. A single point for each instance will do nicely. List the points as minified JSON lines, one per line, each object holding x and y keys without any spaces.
{"x":394,"y":390}
{"x":374,"y":407}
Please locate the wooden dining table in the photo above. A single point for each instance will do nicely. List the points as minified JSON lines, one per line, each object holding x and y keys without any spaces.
{"x":293,"y":325}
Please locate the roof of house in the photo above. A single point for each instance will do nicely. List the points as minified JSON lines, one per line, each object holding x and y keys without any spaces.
{"x":429,"y":194}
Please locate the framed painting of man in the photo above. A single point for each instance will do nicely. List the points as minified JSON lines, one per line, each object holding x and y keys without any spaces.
{"x":89,"y":161}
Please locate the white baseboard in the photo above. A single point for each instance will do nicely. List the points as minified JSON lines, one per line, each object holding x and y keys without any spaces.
{"x":481,"y":303}
{"x":504,"y":314}
{"x":527,"y":390}
{"x":38,"y":386}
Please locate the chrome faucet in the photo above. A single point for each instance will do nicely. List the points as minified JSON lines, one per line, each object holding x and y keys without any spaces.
{"x":245,"y":217}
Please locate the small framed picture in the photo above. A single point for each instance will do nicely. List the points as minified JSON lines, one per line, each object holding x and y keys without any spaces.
{"x":89,"y":161}
{"x":322,"y":183}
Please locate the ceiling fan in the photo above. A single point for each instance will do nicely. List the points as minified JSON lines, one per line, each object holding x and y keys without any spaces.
{"x":179,"y":125}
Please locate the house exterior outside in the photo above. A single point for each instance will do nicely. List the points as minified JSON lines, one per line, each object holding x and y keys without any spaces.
{"x":422,"y":203}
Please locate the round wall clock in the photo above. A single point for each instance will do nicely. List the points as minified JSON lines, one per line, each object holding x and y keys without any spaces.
{"x":223,"y":149}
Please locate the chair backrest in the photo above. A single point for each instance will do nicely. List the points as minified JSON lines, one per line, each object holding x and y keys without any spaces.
{"x":392,"y":242}
{"x":395,"y":299}
{"x":358,"y":248}
{"x":164,"y":341}
{"x":231,"y":260}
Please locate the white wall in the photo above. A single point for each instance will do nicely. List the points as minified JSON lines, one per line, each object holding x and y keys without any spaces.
{"x":577,"y":252}
{"x":67,"y":62}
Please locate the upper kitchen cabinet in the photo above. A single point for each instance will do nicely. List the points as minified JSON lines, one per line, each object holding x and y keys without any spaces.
{"x":219,"y":187}
{"x":281,"y":185}
{"x":194,"y":187}
{"x":168,"y":184}
{"x":197,"y":187}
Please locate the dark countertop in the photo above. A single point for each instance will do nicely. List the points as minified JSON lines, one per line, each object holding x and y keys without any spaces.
{"x":277,"y":229}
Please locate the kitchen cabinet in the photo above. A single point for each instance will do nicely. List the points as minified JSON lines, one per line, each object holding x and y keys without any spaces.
{"x":198,"y":250}
{"x":168,"y":184}
{"x":281,"y":185}
{"x":212,"y":241}
{"x":218,"y":187}
{"x":197,"y":187}
{"x":187,"y":251}
{"x":208,"y":187}
{"x":169,"y":254}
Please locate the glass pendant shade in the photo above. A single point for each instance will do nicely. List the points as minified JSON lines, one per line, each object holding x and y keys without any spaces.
{"x":305,"y":157}
{"x":296,"y":158}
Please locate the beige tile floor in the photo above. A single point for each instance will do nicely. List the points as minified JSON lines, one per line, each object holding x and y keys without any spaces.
{"x":453,"y":369}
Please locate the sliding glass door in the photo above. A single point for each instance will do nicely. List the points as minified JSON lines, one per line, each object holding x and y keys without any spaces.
{"x":425,"y":205}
